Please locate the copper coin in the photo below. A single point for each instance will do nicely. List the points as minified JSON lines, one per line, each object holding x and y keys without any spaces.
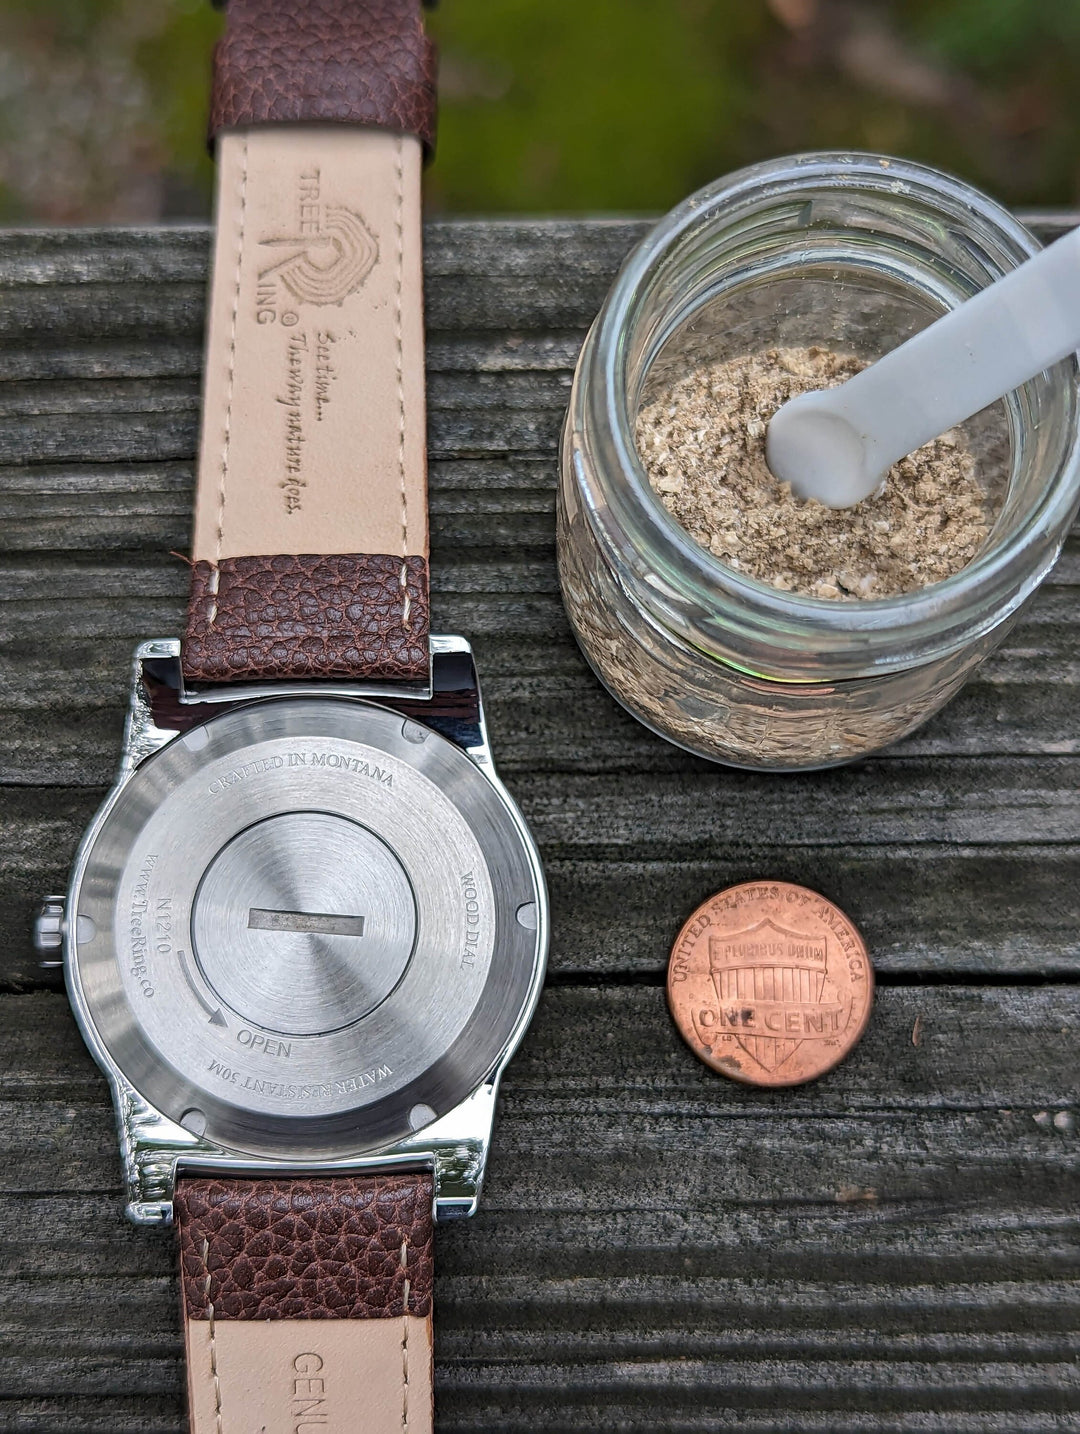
{"x":770,"y":984}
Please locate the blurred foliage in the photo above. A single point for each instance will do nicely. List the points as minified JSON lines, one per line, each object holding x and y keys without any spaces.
{"x":568,"y":105}
{"x":591,"y":104}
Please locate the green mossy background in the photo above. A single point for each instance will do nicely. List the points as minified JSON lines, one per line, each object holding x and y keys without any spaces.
{"x":568,"y":106}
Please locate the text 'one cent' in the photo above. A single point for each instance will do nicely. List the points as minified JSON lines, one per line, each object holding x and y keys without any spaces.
{"x":770,"y":984}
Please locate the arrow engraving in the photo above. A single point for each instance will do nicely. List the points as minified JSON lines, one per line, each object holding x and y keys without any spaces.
{"x":214,"y":1012}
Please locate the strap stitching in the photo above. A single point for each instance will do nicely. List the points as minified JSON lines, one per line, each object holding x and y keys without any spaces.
{"x":213,"y":1343}
{"x":406,"y":601}
{"x":405,"y":1339}
{"x":229,"y":384}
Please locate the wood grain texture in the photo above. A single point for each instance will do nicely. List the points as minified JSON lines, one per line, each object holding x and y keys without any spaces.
{"x":899,"y":1239}
{"x":892,"y":1249}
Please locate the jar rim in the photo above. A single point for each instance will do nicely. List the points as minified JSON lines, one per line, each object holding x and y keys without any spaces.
{"x":903,"y":629}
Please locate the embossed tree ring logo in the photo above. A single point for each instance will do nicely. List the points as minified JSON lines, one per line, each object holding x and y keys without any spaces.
{"x":324,"y":268}
{"x":770,"y":984}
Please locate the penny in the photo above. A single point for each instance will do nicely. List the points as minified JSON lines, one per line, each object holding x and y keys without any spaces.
{"x":770,"y":984}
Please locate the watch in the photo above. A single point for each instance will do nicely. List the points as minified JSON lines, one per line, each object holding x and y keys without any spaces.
{"x":307,"y":929}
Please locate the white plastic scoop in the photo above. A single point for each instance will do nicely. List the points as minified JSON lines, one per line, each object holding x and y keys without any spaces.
{"x":837,"y":444}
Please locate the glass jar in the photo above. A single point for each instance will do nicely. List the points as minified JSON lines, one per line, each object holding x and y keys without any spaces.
{"x":854,"y":252}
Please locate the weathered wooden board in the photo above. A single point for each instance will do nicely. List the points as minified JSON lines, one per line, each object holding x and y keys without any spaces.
{"x":945,"y":908}
{"x":892,"y":1249}
{"x":898,"y":1238}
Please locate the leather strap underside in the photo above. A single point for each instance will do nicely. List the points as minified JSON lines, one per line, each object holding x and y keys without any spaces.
{"x":310,"y":549}
{"x":307,"y":1304}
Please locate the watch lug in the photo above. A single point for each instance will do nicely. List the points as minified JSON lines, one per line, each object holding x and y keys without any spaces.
{"x":470,"y":735}
{"x":142,"y":736}
{"x":450,"y":703}
{"x":458,"y":1145}
{"x":153,"y":1148}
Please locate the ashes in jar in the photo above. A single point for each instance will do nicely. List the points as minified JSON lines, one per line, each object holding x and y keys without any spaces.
{"x":702,"y":440}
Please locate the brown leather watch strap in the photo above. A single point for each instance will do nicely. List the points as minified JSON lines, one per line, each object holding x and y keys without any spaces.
{"x":307,"y":1303}
{"x":359,"y":61}
{"x":309,"y":555}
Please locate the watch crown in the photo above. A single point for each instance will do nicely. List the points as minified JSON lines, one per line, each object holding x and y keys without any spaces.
{"x":49,"y":932}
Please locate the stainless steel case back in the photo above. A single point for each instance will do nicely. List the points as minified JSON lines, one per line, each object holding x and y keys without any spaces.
{"x":303,"y":921}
